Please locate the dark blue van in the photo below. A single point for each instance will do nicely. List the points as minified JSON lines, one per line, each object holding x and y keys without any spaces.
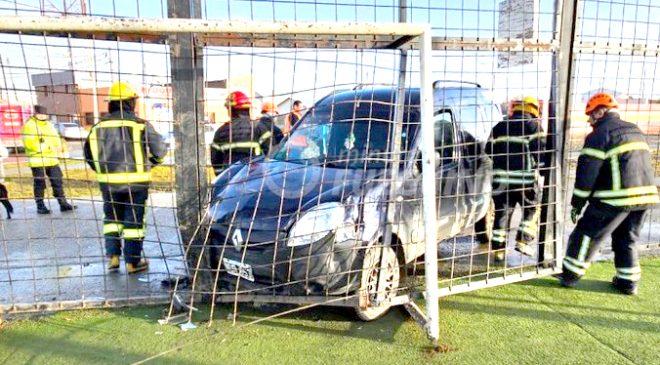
{"x":310,"y":218}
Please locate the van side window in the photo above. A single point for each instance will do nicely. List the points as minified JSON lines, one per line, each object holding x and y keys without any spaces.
{"x":444,"y":135}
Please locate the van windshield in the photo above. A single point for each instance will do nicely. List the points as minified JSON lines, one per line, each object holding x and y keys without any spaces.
{"x":347,"y":134}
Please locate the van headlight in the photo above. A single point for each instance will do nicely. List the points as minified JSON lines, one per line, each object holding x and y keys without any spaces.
{"x":316,"y":224}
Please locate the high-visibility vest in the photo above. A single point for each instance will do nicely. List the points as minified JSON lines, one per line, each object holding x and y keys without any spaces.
{"x":118,"y":153}
{"x":42,"y":143}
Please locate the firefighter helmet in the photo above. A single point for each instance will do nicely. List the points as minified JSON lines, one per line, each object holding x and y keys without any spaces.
{"x":238,"y":100}
{"x":598,"y":100}
{"x":121,"y":90}
{"x":269,"y":107}
{"x":527,"y":104}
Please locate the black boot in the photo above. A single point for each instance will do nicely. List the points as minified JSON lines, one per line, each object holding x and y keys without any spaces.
{"x":65,"y":206}
{"x":41,"y":208}
{"x":625,"y":286}
{"x":567,"y":279}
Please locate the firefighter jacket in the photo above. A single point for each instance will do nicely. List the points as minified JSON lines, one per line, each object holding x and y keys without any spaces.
{"x":614,"y":167}
{"x":122,"y":148}
{"x":276,"y":133}
{"x":42,"y":143}
{"x":237,"y":140}
{"x":516,"y":146}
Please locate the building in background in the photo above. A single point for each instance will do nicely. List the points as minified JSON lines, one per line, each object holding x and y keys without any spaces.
{"x":69,"y":97}
{"x":59,"y":92}
{"x":12,"y":116}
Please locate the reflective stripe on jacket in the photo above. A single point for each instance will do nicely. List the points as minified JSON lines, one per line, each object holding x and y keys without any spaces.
{"x":42,"y":143}
{"x":123,"y":150}
{"x":516,"y":147}
{"x":239,"y":139}
{"x":614,"y":167}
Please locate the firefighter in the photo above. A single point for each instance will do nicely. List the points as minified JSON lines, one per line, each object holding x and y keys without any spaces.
{"x":268,"y":113}
{"x":241,"y":138}
{"x":516,"y":146}
{"x":43,"y":146}
{"x":122,"y":148}
{"x":615,"y":177}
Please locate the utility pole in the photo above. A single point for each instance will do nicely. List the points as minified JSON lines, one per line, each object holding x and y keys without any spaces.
{"x":188,"y":111}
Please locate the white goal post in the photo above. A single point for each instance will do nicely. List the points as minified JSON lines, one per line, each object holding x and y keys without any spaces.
{"x":398,"y":33}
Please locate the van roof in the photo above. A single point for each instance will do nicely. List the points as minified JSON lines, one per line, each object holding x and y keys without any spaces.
{"x":388,"y":94}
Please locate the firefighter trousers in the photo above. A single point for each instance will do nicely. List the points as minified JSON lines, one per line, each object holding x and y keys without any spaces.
{"x":124,"y":217}
{"x":598,"y":222}
{"x":54,"y":173}
{"x":505,"y":204}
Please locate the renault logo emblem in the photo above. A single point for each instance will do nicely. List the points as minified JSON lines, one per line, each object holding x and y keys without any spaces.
{"x":237,"y":239}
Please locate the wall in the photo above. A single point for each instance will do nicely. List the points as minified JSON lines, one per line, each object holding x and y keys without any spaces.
{"x":62,"y":101}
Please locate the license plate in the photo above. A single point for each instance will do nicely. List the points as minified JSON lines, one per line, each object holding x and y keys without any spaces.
{"x":238,"y":269}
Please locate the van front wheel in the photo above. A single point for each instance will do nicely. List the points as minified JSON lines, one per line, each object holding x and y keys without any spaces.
{"x":369,"y":308}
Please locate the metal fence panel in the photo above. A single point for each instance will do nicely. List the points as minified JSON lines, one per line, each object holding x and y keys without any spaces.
{"x":385,"y":179}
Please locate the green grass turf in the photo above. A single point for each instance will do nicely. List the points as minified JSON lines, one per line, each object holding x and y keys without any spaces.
{"x":535,"y":322}
{"x":81,"y":182}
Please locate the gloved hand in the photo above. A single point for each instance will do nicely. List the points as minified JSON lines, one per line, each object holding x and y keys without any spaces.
{"x":577,"y":203}
{"x":575,"y":213}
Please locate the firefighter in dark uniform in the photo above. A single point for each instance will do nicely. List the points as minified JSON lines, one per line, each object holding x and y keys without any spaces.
{"x":122,"y":148}
{"x":268,"y":114}
{"x":616,"y":178}
{"x":241,"y":138}
{"x":516,"y":146}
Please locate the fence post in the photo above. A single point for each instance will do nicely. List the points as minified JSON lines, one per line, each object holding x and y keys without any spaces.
{"x":558,"y":133}
{"x":188,"y":111}
{"x":428,"y":187}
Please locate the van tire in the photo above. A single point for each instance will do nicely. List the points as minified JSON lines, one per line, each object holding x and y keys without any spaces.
{"x":367,"y":310}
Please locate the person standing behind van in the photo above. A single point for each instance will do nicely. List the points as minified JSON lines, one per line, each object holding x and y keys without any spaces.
{"x":516,"y":146}
{"x":293,"y":117}
{"x":268,"y":113}
{"x":240,"y":139}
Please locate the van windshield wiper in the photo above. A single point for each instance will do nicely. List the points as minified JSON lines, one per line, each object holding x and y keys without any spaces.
{"x":336,"y":163}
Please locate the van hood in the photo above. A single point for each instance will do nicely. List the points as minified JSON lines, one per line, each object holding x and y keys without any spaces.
{"x":269,"y":194}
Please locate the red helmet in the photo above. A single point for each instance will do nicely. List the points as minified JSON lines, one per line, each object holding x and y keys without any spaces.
{"x":238,"y":100}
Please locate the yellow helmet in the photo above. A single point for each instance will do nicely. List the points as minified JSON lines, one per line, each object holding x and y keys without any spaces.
{"x":121,"y":91}
{"x":526,"y":104}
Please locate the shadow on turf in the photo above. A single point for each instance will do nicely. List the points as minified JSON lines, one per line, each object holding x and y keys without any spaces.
{"x":561,"y":304}
{"x":320,"y":319}
{"x":46,"y":347}
{"x":512,"y":307}
{"x":317,"y":319}
{"x":597,"y":286}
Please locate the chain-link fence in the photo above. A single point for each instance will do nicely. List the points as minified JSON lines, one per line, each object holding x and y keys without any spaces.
{"x":357,"y":148}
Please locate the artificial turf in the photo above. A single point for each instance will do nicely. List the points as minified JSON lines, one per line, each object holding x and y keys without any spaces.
{"x":534,"y":322}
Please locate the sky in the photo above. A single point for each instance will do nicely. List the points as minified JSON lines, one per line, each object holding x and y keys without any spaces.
{"x":310,"y":74}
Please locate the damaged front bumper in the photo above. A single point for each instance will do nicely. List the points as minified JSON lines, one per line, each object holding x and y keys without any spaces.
{"x":324,"y":267}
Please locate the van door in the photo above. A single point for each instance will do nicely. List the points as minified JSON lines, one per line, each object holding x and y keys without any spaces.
{"x":471,"y":181}
{"x":450,"y":206}
{"x":475,"y":175}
